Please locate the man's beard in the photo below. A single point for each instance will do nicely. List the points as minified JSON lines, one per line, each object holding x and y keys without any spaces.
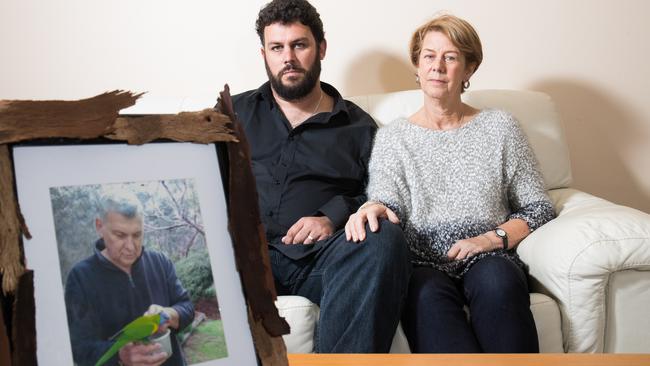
{"x":299,"y":90}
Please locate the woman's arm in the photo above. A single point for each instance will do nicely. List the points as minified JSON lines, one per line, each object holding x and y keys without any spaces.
{"x":529,"y":203}
{"x":516,"y":230}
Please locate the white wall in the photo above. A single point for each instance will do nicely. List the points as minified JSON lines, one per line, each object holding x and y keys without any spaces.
{"x":590,"y":55}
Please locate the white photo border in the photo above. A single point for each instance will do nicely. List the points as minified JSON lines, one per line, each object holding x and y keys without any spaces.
{"x":37,"y":168}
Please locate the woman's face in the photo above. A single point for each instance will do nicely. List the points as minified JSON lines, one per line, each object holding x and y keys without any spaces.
{"x":441,"y":67}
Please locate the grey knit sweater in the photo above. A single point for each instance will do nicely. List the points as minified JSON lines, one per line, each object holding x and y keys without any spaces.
{"x":456,"y":184}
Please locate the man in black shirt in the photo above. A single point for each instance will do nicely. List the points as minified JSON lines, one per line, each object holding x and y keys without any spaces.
{"x":310,"y":150}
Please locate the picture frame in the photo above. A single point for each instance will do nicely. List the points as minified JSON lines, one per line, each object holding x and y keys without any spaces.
{"x":228,"y":153}
{"x":76,"y":174}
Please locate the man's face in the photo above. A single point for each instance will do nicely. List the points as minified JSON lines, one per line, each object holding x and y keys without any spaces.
{"x":292,"y":59}
{"x":122,"y":237}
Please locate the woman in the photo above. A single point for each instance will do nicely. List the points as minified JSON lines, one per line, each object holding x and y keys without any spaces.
{"x":464,"y":184}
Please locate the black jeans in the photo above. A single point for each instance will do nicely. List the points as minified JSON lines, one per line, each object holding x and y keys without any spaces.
{"x":496,"y":292}
{"x":360,"y":288}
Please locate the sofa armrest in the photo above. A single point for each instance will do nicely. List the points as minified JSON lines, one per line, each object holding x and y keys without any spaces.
{"x":572,"y":257}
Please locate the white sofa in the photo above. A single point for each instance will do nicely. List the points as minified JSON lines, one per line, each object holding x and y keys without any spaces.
{"x":590,"y":266}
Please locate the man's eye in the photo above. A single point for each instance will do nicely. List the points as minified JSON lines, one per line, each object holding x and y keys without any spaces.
{"x":276,"y":48}
{"x":299,"y":45}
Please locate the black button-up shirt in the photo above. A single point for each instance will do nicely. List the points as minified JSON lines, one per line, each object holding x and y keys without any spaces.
{"x":318,"y":168}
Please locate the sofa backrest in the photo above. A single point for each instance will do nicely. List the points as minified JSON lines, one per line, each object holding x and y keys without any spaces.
{"x":535,"y":112}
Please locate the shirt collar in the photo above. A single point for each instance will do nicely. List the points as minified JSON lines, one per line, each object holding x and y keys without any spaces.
{"x":264,"y":93}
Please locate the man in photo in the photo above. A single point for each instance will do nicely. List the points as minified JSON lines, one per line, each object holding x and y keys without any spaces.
{"x":118,"y":283}
{"x":310,"y":150}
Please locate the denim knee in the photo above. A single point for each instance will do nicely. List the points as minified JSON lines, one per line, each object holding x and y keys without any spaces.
{"x":430,"y":286}
{"x":496,"y":278}
{"x":387,"y":246}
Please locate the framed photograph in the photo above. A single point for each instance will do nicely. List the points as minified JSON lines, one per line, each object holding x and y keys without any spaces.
{"x":120,"y":232}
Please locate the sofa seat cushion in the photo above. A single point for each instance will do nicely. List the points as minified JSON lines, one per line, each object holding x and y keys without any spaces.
{"x":302,"y":316}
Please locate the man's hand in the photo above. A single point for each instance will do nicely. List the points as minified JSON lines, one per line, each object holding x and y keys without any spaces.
{"x":370,"y":212}
{"x":138,"y":354}
{"x":171,"y":312}
{"x":309,"y":230}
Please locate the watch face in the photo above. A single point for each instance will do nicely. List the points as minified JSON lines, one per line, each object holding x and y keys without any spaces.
{"x":500,"y":232}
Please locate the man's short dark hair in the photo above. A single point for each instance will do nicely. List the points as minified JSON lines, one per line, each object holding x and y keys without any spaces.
{"x":290,"y":11}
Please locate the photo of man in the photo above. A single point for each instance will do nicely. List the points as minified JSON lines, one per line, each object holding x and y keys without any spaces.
{"x":147,"y":255}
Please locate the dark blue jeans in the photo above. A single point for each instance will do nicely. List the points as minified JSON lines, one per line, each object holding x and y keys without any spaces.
{"x":360,"y":288}
{"x":496,"y":292}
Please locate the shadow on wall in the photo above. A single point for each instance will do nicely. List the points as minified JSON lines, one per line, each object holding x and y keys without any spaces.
{"x":378,"y":72}
{"x":598,"y":130}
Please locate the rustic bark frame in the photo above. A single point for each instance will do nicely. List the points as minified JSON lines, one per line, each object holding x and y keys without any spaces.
{"x":98,"y":117}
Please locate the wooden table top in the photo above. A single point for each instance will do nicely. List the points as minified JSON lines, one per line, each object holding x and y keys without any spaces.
{"x":573,"y":359}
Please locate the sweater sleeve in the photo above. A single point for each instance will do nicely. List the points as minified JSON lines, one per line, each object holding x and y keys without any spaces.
{"x":524,"y":183}
{"x":387,"y":180}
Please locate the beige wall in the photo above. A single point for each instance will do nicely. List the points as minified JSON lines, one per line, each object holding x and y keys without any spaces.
{"x":590,"y":55}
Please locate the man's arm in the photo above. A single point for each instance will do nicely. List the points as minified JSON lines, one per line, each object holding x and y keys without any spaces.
{"x":180,"y":308}
{"x":87,"y":343}
{"x":333,"y":215}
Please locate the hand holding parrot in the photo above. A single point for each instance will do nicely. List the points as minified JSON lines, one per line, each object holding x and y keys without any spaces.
{"x":137,"y":330}
{"x":172,"y":315}
{"x":140,"y":354}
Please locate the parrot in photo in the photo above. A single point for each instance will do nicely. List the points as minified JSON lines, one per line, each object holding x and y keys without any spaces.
{"x":137,"y":330}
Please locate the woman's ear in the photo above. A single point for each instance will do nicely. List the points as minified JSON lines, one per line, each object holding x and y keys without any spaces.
{"x":470,"y":70}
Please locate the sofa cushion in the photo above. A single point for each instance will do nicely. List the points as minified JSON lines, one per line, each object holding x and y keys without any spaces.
{"x":548,"y":322}
{"x":302,"y":316}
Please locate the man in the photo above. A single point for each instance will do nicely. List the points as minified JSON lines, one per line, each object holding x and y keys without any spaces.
{"x":310,"y":150}
{"x":120,"y":282}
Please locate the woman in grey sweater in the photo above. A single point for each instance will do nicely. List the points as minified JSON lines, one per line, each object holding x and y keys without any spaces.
{"x":464,"y":185}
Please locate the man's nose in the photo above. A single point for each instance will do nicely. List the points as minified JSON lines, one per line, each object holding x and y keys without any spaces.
{"x":289,"y":55}
{"x":130,"y":243}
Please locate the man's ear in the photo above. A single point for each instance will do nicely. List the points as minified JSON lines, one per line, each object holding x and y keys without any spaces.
{"x":98,"y":225}
{"x":263,"y":53}
{"x":322,"y":48}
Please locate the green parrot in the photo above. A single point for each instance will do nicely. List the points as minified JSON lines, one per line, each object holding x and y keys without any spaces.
{"x":137,"y":330}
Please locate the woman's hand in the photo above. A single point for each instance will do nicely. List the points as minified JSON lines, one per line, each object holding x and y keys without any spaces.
{"x":370,"y":212}
{"x":470,"y":247}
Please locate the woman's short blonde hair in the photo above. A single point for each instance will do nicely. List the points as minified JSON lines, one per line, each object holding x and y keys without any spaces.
{"x":458,"y":30}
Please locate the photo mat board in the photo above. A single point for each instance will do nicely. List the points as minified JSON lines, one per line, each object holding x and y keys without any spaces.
{"x":160,"y":174}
